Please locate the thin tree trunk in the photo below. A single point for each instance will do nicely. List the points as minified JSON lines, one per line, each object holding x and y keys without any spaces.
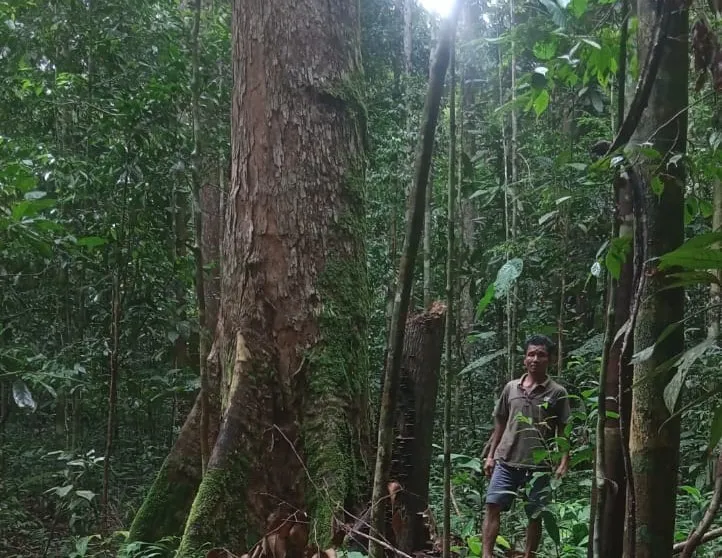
{"x":654,"y":440}
{"x":467,"y":209}
{"x":513,"y":294}
{"x":450,"y":278}
{"x":292,"y":331}
{"x":414,"y":227}
{"x":112,"y":394}
{"x":714,"y":290}
{"x":411,"y":457}
{"x":427,"y":245}
{"x":608,"y":525}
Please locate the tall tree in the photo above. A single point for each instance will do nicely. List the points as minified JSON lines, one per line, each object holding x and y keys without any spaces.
{"x":412,"y":238}
{"x":291,"y":335}
{"x":654,"y":440}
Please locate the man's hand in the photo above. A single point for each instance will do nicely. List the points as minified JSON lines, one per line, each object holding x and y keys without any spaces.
{"x":562,"y":469}
{"x":488,"y":466}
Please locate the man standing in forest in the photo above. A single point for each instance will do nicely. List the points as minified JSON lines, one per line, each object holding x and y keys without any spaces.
{"x":531,"y":411}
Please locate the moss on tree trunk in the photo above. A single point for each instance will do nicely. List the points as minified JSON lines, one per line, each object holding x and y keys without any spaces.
{"x":292,"y":332}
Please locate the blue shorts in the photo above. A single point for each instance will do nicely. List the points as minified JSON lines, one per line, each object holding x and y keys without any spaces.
{"x":507,"y":480}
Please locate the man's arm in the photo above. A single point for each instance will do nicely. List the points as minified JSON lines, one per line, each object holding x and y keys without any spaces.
{"x":564,"y":416}
{"x":501,"y":413}
{"x":564,"y":463}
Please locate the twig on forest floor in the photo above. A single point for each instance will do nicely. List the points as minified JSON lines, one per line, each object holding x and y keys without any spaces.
{"x":386,"y":545}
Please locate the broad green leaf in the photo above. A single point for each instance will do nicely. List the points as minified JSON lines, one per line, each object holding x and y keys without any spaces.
{"x":478,"y":363}
{"x":484,"y":302}
{"x":579,"y":7}
{"x":715,"y":433}
{"x":545,"y":50}
{"x":22,"y":396}
{"x":547,"y":216}
{"x":474,"y":545}
{"x":617,"y":254}
{"x":507,"y":274}
{"x":85,"y":494}
{"x":541,"y":102}
{"x":551,"y":526}
{"x":91,"y":241}
{"x":502,"y":542}
{"x":35,"y":195}
{"x":555,"y":12}
{"x":685,"y":362}
{"x":685,"y":278}
{"x":657,"y":186}
{"x":646,"y":353}
{"x":692,"y":258}
{"x":63,"y":491}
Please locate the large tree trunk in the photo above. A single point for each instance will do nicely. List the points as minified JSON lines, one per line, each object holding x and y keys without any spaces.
{"x":292,"y":330}
{"x":654,"y":445}
{"x":411,"y":455}
{"x":169,"y":500}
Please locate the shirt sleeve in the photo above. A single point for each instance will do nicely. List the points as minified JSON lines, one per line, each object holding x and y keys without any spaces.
{"x":501,"y":409}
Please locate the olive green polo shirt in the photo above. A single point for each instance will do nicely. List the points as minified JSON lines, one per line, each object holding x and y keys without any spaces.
{"x":541,"y":410}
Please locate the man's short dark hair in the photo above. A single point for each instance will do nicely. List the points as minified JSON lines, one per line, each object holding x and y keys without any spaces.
{"x":540,"y":340}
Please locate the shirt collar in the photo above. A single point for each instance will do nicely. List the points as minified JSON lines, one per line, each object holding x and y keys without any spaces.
{"x":544,"y":384}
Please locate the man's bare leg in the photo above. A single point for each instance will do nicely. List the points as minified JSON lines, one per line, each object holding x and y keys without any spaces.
{"x":533,"y":537}
{"x":491,"y":528}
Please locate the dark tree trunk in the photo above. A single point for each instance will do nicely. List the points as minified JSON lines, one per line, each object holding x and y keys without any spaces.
{"x":292,"y":329}
{"x":654,"y":442}
{"x":411,"y":455}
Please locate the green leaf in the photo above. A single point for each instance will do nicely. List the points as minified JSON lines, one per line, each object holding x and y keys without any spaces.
{"x":502,"y":542}
{"x":646,"y":353}
{"x":35,"y":195}
{"x":91,"y":241}
{"x":685,"y":362}
{"x":657,"y":186}
{"x":579,"y":7}
{"x":484,"y":302}
{"x":541,"y":102}
{"x":715,"y":433}
{"x":507,"y":274}
{"x":617,"y":254}
{"x":85,"y":494}
{"x":478,"y":363}
{"x":544,"y":218}
{"x":474,"y":545}
{"x":551,"y":526}
{"x":545,"y":50}
{"x":692,"y":258}
{"x":685,"y":278}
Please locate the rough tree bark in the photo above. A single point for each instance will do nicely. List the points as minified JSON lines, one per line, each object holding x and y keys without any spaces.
{"x":414,"y":227}
{"x":411,"y":455}
{"x":169,"y":500}
{"x":292,"y":327}
{"x":654,"y":449}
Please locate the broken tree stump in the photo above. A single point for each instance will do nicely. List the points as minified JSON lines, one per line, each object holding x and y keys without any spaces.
{"x":413,"y":430}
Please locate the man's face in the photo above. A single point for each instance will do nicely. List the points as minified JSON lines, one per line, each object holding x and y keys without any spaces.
{"x":536,"y":359}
